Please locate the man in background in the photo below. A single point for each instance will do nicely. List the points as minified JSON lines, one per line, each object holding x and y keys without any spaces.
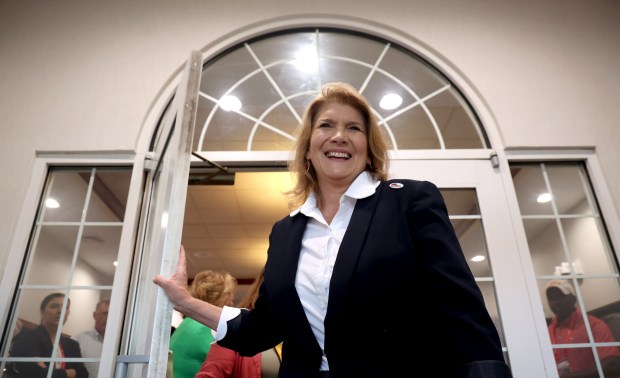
{"x":91,"y":341}
{"x":568,"y":327}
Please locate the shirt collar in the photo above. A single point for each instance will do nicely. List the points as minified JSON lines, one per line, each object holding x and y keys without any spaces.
{"x":363,"y":186}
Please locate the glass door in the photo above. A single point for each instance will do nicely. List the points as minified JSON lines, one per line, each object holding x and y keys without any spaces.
{"x":478,"y":208}
{"x":144,"y":348}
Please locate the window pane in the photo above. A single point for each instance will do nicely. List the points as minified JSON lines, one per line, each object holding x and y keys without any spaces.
{"x":72,"y":251}
{"x":38,"y":313}
{"x":65,"y":196}
{"x":489,"y":295}
{"x":530,"y":184}
{"x":471,"y":237}
{"x":569,"y":186}
{"x":573,"y":260}
{"x":109,"y":196}
{"x":50,"y":263}
{"x":97,"y":255}
{"x":586,"y":247}
{"x":466,"y":219}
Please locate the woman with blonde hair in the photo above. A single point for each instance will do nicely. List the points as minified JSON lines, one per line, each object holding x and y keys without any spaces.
{"x":191,"y":341}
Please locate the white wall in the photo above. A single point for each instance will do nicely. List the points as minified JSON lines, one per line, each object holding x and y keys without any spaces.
{"x":82,"y":75}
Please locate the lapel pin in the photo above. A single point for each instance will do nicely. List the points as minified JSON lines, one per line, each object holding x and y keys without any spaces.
{"x":396,"y":185}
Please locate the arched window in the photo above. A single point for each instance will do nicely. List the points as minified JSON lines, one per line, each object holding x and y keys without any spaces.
{"x":252,"y":96}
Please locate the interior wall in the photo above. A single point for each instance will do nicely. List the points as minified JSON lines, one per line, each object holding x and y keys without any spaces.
{"x":82,"y":76}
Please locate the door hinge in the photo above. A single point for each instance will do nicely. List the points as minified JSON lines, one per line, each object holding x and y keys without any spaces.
{"x":150,"y":164}
{"x":494,"y":161}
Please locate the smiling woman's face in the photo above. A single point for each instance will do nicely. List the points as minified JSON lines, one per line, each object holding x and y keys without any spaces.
{"x":338,"y":145}
{"x":51,"y":313}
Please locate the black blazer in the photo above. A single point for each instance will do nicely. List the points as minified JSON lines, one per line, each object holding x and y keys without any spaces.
{"x":400,"y":245}
{"x":37,"y":343}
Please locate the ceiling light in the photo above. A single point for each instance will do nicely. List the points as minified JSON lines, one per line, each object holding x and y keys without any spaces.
{"x":477,"y":258}
{"x":543,"y":198}
{"x":229,"y":103}
{"x":51,"y":203}
{"x":115,"y":263}
{"x":306,"y":59}
{"x":390,"y":101}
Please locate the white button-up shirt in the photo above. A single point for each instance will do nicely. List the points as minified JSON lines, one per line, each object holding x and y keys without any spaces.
{"x":319,"y":249}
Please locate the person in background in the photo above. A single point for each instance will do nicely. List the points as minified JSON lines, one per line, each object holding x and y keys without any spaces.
{"x":39,"y":342}
{"x":568,"y":327}
{"x":91,"y":341}
{"x":226,"y":363}
{"x":339,"y":265}
{"x":192,"y":340}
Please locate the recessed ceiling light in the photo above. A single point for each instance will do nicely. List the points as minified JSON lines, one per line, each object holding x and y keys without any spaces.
{"x":306,"y":59}
{"x":51,"y":203}
{"x":545,"y":197}
{"x":478,"y":258}
{"x":390,"y":101}
{"x":115,"y":263}
{"x":229,"y":103}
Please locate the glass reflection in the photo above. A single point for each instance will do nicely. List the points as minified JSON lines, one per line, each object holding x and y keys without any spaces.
{"x":488,"y":293}
{"x":52,"y":256}
{"x":69,"y":267}
{"x":97,"y":256}
{"x":529,"y":184}
{"x":108,"y":198}
{"x":570,"y":324}
{"x":68,"y":189}
{"x":569,"y":185}
{"x":471,"y":238}
{"x":587,"y":250}
{"x":91,"y":339}
{"x":40,"y":333}
{"x":575,"y":265}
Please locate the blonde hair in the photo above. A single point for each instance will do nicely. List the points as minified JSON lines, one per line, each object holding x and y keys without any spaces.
{"x":305,"y":176}
{"x":215,"y":287}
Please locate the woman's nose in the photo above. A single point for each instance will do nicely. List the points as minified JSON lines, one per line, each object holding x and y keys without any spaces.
{"x":339,"y":134}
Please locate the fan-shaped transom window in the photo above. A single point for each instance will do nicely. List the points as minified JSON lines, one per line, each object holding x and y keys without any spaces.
{"x":252,"y":96}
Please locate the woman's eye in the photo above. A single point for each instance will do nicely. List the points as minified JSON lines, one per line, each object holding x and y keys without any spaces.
{"x":355,"y":128}
{"x":323,"y":124}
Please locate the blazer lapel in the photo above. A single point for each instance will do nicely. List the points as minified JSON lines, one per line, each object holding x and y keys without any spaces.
{"x":349,"y":251}
{"x":292,"y":250}
{"x":285,"y":275}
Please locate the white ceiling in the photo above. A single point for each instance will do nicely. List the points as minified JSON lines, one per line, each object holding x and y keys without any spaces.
{"x":226,"y":226}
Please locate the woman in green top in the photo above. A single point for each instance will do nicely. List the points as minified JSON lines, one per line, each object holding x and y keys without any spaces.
{"x":191,"y":341}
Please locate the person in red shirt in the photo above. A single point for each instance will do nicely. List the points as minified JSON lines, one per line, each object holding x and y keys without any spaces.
{"x":568,"y":327}
{"x":226,"y":363}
